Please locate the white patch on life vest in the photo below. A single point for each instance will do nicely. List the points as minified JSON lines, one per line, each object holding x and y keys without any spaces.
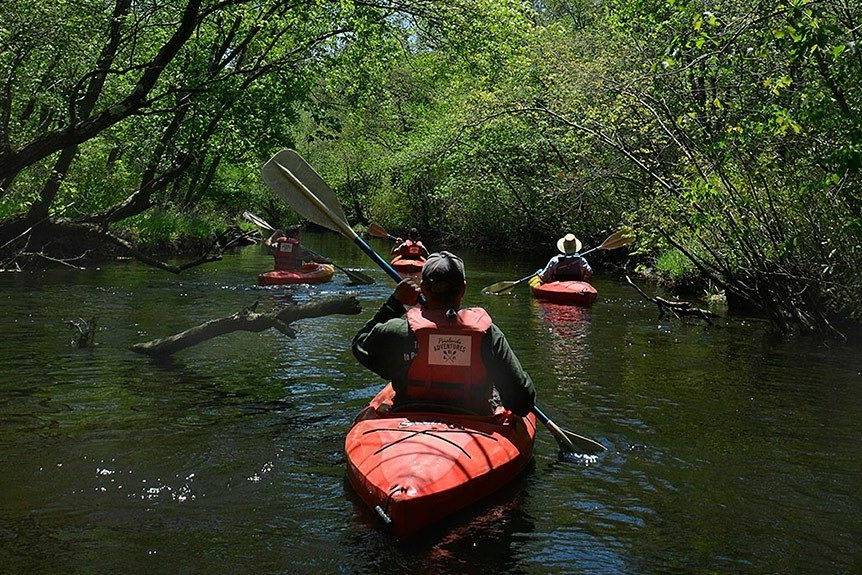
{"x":449,"y":349}
{"x":285,"y":247}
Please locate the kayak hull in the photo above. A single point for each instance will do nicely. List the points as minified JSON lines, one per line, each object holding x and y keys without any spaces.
{"x":309,"y":273}
{"x":408,"y":267}
{"x":414,"y":469}
{"x":564,"y":292}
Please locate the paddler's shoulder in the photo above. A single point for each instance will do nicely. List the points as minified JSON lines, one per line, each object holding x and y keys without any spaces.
{"x":395,"y":326}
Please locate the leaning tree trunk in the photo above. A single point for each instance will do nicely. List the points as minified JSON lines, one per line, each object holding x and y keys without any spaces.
{"x":248,"y":320}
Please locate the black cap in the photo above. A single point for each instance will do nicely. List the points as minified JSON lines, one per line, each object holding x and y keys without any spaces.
{"x":443,"y":273}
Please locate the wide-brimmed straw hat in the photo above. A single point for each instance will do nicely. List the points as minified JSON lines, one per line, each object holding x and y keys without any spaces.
{"x":569,"y":244}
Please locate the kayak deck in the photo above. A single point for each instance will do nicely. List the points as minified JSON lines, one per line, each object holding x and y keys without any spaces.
{"x":565,"y":292}
{"x":309,"y":273}
{"x":414,"y":469}
{"x":407,"y":266}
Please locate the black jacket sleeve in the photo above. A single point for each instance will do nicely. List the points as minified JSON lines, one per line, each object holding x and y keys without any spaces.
{"x":379,"y":343}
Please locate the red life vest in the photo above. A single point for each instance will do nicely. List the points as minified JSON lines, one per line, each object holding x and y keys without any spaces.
{"x":411,"y":250}
{"x":287,"y":254}
{"x":448,"y":367}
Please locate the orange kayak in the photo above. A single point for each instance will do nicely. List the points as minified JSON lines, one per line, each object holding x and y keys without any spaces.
{"x":415,"y":468}
{"x":565,"y":292}
{"x":309,"y":273}
{"x":407,"y":267}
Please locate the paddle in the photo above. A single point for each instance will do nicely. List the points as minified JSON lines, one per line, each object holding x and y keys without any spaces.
{"x":292,"y":178}
{"x":502,"y":287}
{"x":259,"y":222}
{"x":618,"y":239}
{"x":379,"y":232}
{"x":356,"y":277}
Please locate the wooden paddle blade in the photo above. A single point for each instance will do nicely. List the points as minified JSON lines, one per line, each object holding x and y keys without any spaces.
{"x":275,"y":176}
{"x":377,"y":231}
{"x":563,"y":441}
{"x":618,"y":239}
{"x":500,"y":287}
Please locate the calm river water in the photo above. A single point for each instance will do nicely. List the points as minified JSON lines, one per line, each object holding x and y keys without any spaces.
{"x":729,"y":451}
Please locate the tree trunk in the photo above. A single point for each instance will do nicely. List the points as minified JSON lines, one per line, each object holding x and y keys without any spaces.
{"x":248,"y":320}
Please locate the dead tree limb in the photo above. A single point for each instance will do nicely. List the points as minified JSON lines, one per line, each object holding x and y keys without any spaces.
{"x":679,"y":309}
{"x":101,"y":234}
{"x":249,"y":320}
{"x":62,"y":261}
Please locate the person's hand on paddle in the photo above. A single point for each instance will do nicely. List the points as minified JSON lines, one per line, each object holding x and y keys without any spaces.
{"x":270,"y":241}
{"x":407,"y":292}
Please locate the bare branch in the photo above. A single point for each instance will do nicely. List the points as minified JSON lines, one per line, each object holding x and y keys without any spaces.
{"x":249,"y":320}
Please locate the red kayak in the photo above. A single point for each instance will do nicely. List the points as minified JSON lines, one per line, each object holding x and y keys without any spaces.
{"x":406,"y":266}
{"x":310,"y":273}
{"x":565,"y":292}
{"x":415,"y":468}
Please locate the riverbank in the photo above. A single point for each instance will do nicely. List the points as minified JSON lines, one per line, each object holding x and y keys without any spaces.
{"x":165,"y":237}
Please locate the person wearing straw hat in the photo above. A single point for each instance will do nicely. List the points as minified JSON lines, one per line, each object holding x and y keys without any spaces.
{"x":569,"y":264}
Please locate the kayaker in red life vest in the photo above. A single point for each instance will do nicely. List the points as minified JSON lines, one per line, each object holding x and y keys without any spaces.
{"x":441,"y":354}
{"x":568,"y":265}
{"x":411,"y":248}
{"x":286,"y":249}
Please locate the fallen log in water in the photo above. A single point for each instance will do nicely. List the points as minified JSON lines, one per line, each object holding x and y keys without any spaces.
{"x":679,"y":309}
{"x":248,"y":320}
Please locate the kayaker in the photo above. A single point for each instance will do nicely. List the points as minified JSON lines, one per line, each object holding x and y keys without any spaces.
{"x":568,"y":265}
{"x":287,"y":250}
{"x":440,"y":353}
{"x":411,"y":248}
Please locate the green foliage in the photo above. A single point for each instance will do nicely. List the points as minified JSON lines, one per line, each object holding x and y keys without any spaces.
{"x":161,"y":229}
{"x":729,"y":135}
{"x":674,"y":265}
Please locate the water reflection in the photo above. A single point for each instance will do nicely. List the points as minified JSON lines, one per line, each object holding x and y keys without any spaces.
{"x":480,"y":539}
{"x":730,"y":451}
{"x":569,"y":344}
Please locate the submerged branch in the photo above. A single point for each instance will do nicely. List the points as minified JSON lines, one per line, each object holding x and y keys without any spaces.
{"x":679,"y":309}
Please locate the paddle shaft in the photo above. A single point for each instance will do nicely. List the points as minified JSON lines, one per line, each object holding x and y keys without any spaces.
{"x":525,"y":278}
{"x":325,"y":259}
{"x":563,"y":441}
{"x":342,"y":226}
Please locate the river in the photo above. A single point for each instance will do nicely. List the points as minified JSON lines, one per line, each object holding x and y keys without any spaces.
{"x":730,"y":451}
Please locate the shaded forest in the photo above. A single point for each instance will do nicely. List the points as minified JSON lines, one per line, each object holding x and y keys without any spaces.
{"x":727,"y":135}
